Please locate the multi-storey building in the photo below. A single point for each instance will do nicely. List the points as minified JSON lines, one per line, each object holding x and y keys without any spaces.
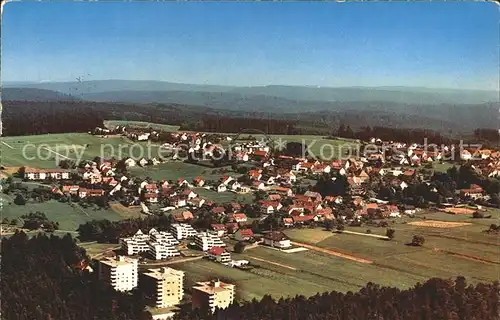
{"x":205,"y":241}
{"x":158,"y":244}
{"x":136,"y":244}
{"x":163,"y":286}
{"x":219,"y":254}
{"x":159,"y":251}
{"x":182,"y":231}
{"x":119,"y":272}
{"x":212,"y":294}
{"x":164,"y":238}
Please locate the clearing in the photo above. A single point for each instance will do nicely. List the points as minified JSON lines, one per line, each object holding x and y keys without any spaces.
{"x":141,"y":125}
{"x":308,"y":235}
{"x":125,"y":212}
{"x":68,"y":216}
{"x":438,"y":224}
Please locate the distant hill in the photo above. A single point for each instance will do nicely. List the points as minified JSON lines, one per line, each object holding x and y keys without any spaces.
{"x":437,"y":109}
{"x":95,"y":86}
{"x":407,"y":95}
{"x":31,"y":94}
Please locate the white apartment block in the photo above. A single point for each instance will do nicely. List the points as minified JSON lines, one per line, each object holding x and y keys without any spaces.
{"x":158,"y":244}
{"x":206,"y":241}
{"x":182,"y":231}
{"x":212,"y":294}
{"x":158,"y":251}
{"x":163,"y":286}
{"x":136,"y":244}
{"x":162,"y":237}
{"x":119,"y":272}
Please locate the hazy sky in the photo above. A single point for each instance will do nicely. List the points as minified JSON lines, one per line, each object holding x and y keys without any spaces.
{"x":431,"y":44}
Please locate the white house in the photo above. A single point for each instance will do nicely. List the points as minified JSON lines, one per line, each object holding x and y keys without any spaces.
{"x":129,"y":162}
{"x":277,"y":239}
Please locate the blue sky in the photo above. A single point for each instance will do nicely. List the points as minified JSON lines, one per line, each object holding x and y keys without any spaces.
{"x":430,"y":44}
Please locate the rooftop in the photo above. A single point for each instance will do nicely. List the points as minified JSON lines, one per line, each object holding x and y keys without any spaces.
{"x":213,"y":286}
{"x":164,"y":273}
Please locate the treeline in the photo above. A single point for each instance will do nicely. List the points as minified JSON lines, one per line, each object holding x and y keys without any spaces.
{"x":388,"y":134}
{"x":231,"y":124}
{"x":491,"y":135}
{"x":41,"y":280}
{"x":434,"y":299}
{"x":111,"y":231}
{"x":30,"y":118}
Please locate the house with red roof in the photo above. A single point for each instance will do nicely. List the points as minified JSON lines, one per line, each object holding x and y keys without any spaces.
{"x":226,"y":179}
{"x":243,"y":234}
{"x":288,"y":222}
{"x":84,"y":193}
{"x":218,"y":210}
{"x":219,"y":229}
{"x":283,"y":190}
{"x":232,"y":227}
{"x":260,"y":154}
{"x":71,"y":189}
{"x":234,"y":206}
{"x":255,"y":174}
{"x":238,"y":217}
{"x":189,"y":194}
{"x":474,"y":192}
{"x":197,"y":202}
{"x":219,"y":254}
{"x":199,"y":182}
{"x":303,"y":219}
{"x":110,"y":181}
{"x":183,"y":216}
{"x":151,"y":197}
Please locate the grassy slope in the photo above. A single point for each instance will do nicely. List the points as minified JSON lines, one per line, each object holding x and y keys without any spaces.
{"x":69,"y":218}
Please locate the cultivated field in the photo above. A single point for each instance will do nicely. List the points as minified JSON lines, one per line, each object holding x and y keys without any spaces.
{"x":141,"y":125}
{"x":311,"y":236}
{"x":45,"y":151}
{"x":69,"y":217}
{"x":347,"y":261}
{"x":174,"y":170}
{"x":224,"y":197}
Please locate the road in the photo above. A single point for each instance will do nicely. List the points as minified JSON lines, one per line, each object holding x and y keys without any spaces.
{"x":366,"y":234}
{"x":163,"y":263}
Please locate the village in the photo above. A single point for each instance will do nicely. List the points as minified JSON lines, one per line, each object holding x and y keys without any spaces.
{"x":285,"y":192}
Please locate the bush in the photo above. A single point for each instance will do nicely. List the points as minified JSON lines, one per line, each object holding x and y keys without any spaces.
{"x":418,"y":240}
{"x":19,"y":200}
{"x":477,"y":215}
{"x":390,"y":233}
{"x":368,"y":231}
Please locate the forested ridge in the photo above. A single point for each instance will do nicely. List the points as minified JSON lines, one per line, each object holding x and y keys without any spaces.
{"x":39,"y":117}
{"x":41,"y":280}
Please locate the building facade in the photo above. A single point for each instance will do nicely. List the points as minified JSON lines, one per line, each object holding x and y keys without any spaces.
{"x":206,"y":241}
{"x":212,"y":294}
{"x":164,"y":286}
{"x":182,"y":231}
{"x":119,"y":272}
